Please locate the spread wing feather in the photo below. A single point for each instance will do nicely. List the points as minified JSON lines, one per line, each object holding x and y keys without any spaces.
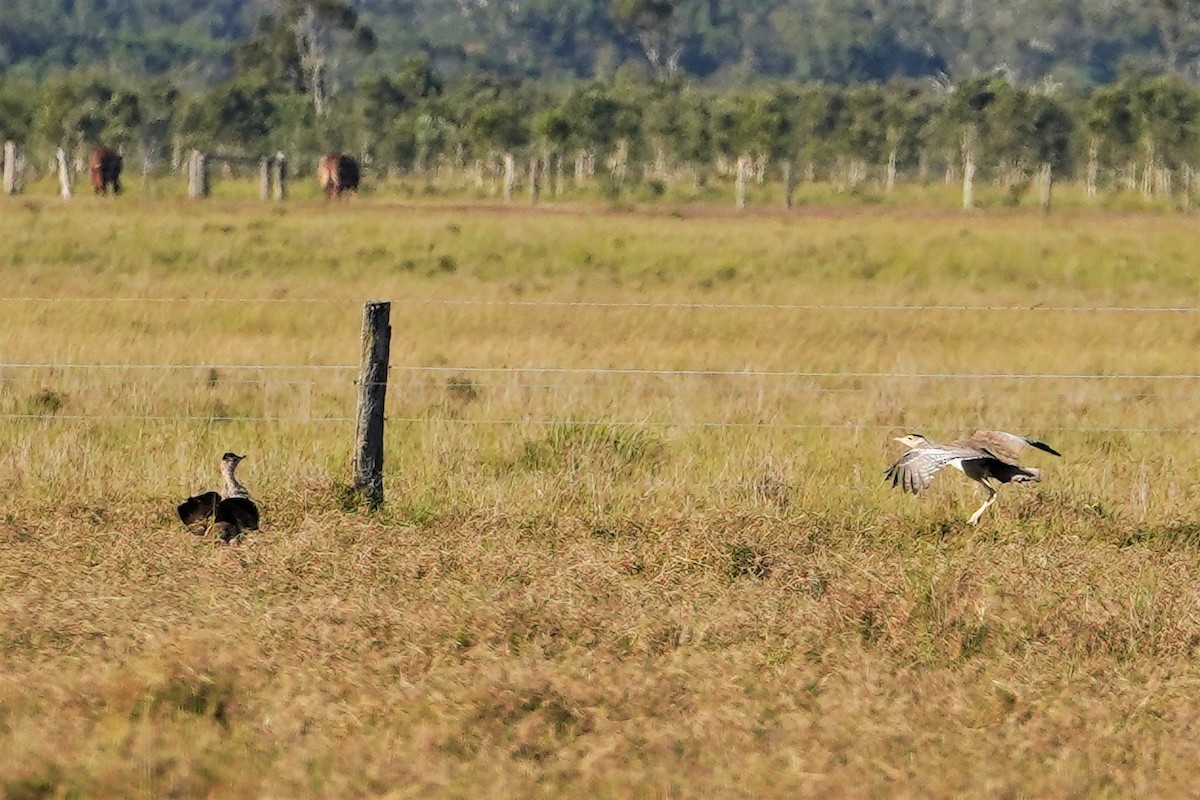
{"x":914,"y":470}
{"x":198,"y":508}
{"x":241,"y":511}
{"x":1006,"y":446}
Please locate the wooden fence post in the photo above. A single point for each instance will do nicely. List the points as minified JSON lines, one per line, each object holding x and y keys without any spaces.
{"x":12,"y":168}
{"x":279,"y":169}
{"x":264,"y":178}
{"x":788,"y":184}
{"x":510,"y":176}
{"x":1045,"y":185}
{"x":743,"y":166}
{"x":372,"y":391}
{"x":968,"y":191}
{"x":535,"y":180}
{"x":64,"y":174}
{"x":198,"y":175}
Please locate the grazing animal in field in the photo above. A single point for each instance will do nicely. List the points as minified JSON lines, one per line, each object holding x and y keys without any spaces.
{"x":232,"y":510}
{"x":105,"y":166}
{"x":338,"y":173}
{"x":985,"y":456}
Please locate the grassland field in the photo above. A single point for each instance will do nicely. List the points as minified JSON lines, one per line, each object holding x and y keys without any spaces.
{"x":637,"y":541}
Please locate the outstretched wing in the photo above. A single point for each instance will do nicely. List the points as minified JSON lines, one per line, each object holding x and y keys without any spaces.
{"x":914,"y":470}
{"x":240,"y":511}
{"x":199,"y":508}
{"x":1005,"y":446}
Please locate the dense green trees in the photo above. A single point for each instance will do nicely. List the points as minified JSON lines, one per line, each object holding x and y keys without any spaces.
{"x":304,"y":76}
{"x":414,"y":118}
{"x":1076,"y":42}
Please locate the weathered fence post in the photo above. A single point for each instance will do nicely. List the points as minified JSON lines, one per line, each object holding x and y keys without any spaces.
{"x":510,"y":176}
{"x":279,"y":169}
{"x":743,"y":166}
{"x":64,"y":174}
{"x":372,"y":391}
{"x":264,"y":178}
{"x":1093,"y":169}
{"x":535,"y":180}
{"x":198,"y":175}
{"x":968,"y":191}
{"x":788,"y":184}
{"x":1045,"y":184}
{"x":12,"y":167}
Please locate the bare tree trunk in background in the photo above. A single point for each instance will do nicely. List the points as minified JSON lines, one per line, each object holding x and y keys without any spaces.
{"x":314,"y":58}
{"x":890,"y":183}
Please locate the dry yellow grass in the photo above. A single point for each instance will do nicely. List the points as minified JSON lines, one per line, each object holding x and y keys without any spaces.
{"x":588,"y":583}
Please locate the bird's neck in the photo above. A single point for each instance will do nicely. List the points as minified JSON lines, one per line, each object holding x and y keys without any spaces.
{"x":232,"y":487}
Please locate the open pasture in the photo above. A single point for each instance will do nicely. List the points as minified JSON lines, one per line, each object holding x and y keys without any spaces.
{"x":637,"y":540}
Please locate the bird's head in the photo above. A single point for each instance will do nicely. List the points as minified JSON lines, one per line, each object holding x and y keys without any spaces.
{"x":911,"y":440}
{"x":232,"y":458}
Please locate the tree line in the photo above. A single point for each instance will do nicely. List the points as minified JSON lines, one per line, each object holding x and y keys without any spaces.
{"x":1075,"y":42}
{"x":413,"y":120}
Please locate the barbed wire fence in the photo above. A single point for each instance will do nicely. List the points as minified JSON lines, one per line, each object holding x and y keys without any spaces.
{"x":552,"y":377}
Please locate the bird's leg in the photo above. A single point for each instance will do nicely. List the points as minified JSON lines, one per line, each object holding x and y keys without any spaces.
{"x":992,"y":493}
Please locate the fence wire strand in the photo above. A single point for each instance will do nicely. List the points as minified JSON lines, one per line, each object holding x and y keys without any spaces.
{"x":598,"y":422}
{"x":640,"y":371}
{"x":898,"y":307}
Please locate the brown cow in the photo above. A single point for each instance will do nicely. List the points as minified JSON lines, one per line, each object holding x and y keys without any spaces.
{"x":337,"y":173}
{"x":105,"y":165}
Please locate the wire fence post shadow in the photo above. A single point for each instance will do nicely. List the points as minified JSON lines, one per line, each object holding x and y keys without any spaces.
{"x":372,"y":391}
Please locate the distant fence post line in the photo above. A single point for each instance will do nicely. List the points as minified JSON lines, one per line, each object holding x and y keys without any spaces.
{"x":372,"y":392}
{"x":545,"y":174}
{"x":272,"y":173}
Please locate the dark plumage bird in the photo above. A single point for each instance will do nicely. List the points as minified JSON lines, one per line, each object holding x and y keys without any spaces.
{"x":232,"y":511}
{"x":985,"y":456}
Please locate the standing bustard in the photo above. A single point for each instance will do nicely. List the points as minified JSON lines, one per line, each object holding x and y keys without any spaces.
{"x":232,"y":509}
{"x":986,"y":455}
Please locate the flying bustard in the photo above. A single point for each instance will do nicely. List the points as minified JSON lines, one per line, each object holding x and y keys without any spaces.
{"x":232,"y":510}
{"x":986,"y":456}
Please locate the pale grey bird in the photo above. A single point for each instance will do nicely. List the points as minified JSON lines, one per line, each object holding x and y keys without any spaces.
{"x":985,"y":456}
{"x":232,"y":510}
